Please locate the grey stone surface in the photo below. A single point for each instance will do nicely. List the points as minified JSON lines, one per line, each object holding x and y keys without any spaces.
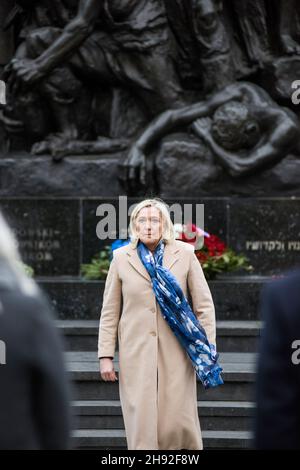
{"x":115,"y":439}
{"x":97,"y":175}
{"x":232,"y":336}
{"x":226,"y":416}
{"x":235,"y":299}
{"x":200,"y":175}
{"x":39,"y":176}
{"x":278,"y":75}
{"x":239,"y":377}
{"x":267,"y":231}
{"x":74,"y":298}
{"x":47,"y":232}
{"x":6,"y":37}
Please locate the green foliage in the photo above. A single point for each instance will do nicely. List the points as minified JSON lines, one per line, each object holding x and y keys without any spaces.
{"x":99,"y":265}
{"x":28,"y":269}
{"x":229,"y":261}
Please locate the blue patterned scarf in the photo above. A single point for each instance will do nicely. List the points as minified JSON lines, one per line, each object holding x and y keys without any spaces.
{"x":180,"y":317}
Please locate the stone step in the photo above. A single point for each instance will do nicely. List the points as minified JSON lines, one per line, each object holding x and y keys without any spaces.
{"x":232,"y":336}
{"x":112,"y":439}
{"x":235,"y":298}
{"x":238,"y":336}
{"x":214,"y":416}
{"x":239,"y":376}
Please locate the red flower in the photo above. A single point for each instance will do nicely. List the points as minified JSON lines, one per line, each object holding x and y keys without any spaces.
{"x":188,"y":239}
{"x":202,"y":257}
{"x":214,"y":245}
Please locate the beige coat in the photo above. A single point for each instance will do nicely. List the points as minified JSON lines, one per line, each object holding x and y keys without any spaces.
{"x":157,"y":381}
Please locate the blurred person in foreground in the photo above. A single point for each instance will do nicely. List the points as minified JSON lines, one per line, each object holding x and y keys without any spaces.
{"x":277,"y":423}
{"x":34,"y":411}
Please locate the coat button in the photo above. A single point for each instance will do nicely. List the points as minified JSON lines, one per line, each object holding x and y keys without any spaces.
{"x":152,"y":333}
{"x":153,"y":309}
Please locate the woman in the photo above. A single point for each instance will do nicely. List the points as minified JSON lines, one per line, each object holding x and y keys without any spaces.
{"x":157,"y":380}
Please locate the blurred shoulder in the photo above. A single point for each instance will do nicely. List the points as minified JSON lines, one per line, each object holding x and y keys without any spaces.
{"x":184,"y":247}
{"x":122,"y":251}
{"x":280,"y":300}
{"x":286,"y":284}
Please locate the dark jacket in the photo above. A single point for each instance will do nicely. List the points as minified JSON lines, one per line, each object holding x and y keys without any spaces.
{"x":277,"y":424}
{"x":34,"y":411}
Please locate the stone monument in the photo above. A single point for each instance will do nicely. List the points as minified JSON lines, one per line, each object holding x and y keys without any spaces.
{"x":178,"y":99}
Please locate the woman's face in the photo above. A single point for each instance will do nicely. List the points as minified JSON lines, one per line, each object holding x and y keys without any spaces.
{"x":149,"y":225}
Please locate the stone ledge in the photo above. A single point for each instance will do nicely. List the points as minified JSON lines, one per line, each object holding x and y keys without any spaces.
{"x":76,"y":299}
{"x":39,"y":176}
{"x":112,"y":438}
{"x":206,"y":408}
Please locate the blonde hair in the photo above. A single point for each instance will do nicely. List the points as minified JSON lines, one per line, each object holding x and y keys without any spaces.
{"x":9,"y":253}
{"x":168,"y":232}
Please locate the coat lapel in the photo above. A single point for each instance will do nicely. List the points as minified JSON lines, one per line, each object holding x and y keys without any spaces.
{"x":136,"y":263}
{"x":171,"y":256}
